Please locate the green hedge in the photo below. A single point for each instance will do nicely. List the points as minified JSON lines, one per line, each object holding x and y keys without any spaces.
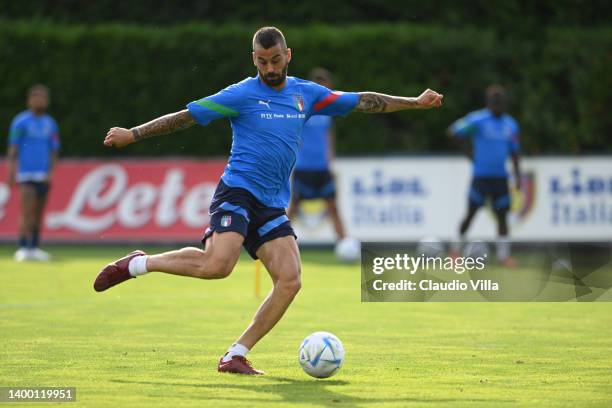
{"x":511,"y":14}
{"x":112,"y":75}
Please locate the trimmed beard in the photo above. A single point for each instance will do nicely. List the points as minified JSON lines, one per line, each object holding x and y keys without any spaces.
{"x":275,"y":80}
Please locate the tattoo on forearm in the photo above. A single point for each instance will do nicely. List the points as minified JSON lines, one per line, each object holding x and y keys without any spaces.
{"x":136,"y":134}
{"x":372,"y":102}
{"x":164,"y":125}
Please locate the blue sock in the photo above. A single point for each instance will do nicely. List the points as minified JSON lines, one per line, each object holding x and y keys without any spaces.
{"x":35,"y":238}
{"x":23,"y":241}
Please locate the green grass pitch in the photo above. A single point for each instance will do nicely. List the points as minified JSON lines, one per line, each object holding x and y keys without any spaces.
{"x":155,"y":342}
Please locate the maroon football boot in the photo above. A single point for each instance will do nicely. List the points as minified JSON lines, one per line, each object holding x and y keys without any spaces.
{"x":238,"y":365}
{"x":115,"y":273}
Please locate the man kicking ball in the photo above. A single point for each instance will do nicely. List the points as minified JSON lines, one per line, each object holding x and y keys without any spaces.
{"x":267,"y":113}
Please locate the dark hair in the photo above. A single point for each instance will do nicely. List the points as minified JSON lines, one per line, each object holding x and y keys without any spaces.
{"x":38,"y":88}
{"x":268,"y":37}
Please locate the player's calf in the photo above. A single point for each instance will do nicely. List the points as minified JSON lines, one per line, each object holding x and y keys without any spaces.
{"x":214,"y":267}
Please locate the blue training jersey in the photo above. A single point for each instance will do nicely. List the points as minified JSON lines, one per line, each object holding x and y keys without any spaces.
{"x":267,"y":128}
{"x":36,"y":138}
{"x":313,"y":153}
{"x":494,"y":139}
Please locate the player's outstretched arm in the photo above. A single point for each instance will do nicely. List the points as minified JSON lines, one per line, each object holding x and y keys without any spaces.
{"x":373,"y":102}
{"x":172,"y":122}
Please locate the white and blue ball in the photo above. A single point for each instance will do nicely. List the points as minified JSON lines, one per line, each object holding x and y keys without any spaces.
{"x":321,"y":355}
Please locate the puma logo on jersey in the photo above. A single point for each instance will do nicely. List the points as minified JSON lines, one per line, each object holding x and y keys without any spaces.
{"x":267,"y":104}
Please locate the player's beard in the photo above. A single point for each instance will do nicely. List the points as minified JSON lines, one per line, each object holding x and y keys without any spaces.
{"x":275,"y":79}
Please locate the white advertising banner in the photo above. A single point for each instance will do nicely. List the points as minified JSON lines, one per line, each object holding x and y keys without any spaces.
{"x":409,"y":198}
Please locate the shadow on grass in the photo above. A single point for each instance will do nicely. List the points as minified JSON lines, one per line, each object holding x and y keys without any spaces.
{"x":294,"y":392}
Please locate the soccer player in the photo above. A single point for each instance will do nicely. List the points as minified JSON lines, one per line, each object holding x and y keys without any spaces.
{"x":495,"y":137}
{"x":32,"y":152}
{"x":267,"y":113}
{"x":312,"y":178}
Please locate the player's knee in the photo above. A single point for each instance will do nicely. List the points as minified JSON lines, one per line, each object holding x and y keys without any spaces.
{"x":501,"y":215}
{"x":289,"y":286}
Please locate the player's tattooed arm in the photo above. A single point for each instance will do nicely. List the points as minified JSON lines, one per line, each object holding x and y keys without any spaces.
{"x":166,"y":124}
{"x":373,"y":102}
{"x":120,"y":137}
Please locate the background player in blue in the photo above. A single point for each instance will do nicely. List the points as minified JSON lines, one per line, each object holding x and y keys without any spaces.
{"x":32,"y":152}
{"x":267,"y":113}
{"x":312,"y":178}
{"x":495,"y":137}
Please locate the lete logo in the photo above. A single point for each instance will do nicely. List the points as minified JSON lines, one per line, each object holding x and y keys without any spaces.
{"x":104,"y":197}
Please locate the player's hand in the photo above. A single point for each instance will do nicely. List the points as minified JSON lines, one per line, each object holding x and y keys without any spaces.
{"x":118,"y":137}
{"x":430,"y":99}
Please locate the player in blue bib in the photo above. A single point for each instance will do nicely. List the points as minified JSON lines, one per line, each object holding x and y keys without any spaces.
{"x":267,"y":114}
{"x":495,"y":138}
{"x":32,"y":152}
{"x":312,"y":178}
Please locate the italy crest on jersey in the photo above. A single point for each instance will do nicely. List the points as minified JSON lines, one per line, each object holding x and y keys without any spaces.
{"x":298,"y":101}
{"x":226,"y":220}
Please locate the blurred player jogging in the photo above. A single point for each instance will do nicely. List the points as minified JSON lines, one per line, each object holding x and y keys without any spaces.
{"x":267,"y":113}
{"x":32,"y":152}
{"x":312,"y":178}
{"x":495,"y":137}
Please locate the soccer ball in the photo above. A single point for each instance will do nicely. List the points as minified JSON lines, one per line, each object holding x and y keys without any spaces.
{"x":430,"y":247}
{"x":348,"y":250}
{"x":321,"y":355}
